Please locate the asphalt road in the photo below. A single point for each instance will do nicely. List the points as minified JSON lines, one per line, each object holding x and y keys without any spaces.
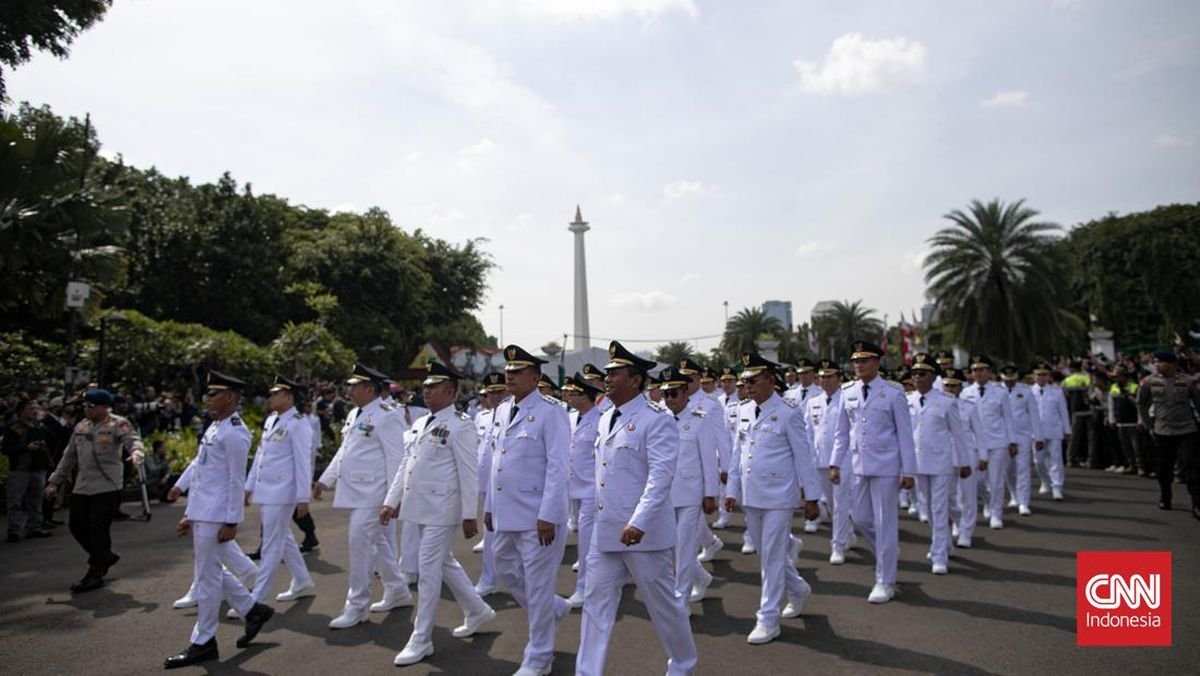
{"x":1007,"y":607}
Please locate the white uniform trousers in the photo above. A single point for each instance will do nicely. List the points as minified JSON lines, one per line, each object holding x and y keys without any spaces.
{"x":876,"y":501}
{"x":235,"y":560}
{"x":1050,"y":463}
{"x":651,"y":571}
{"x":921,"y":499}
{"x":528,"y":572}
{"x":840,"y":499}
{"x":487,"y":576}
{"x":437,"y":564}
{"x":1019,"y":473}
{"x":937,"y":487}
{"x":410,"y":541}
{"x":370,"y":550}
{"x":997,"y":470}
{"x":278,"y":544}
{"x":213,"y":583}
{"x":772,"y":530}
{"x":964,"y":504}
{"x":586,"y":520}
{"x":687,"y":568}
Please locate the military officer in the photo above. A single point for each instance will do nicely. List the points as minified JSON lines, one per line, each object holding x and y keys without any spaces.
{"x":214,"y":510}
{"x":526,"y":503}
{"x":634,"y":535}
{"x":998,"y":434}
{"x":873,"y":439}
{"x":774,"y":475}
{"x":695,"y":486}
{"x":1167,"y":407}
{"x":371,"y":453}
{"x":486,"y":426}
{"x":98,"y":446}
{"x":280,"y":482}
{"x":712,"y":428}
{"x":581,"y":470}
{"x":1056,"y":428}
{"x":943,"y":451}
{"x":436,"y":491}
{"x":1027,"y":423}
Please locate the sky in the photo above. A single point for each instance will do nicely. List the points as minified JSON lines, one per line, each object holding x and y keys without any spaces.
{"x":721,"y":151}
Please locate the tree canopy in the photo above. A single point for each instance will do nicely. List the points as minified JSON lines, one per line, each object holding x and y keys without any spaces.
{"x":50,"y":25}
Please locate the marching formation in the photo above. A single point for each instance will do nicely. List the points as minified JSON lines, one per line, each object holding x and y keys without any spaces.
{"x":634,"y":463}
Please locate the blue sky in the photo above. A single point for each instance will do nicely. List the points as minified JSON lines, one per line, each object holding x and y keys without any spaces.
{"x":722,"y":151}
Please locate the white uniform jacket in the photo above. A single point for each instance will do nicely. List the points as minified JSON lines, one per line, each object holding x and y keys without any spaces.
{"x":438,"y":483}
{"x":801,"y":394}
{"x":218,"y":474}
{"x":485,"y":428}
{"x":1052,"y":409}
{"x":820,"y":424}
{"x":717,"y":439}
{"x":370,"y":455}
{"x":972,"y":425}
{"x":696,"y":468}
{"x":282,"y":470}
{"x":581,"y":462}
{"x":874,"y":434}
{"x":635,"y":463}
{"x":941,"y":440}
{"x":995,"y":414}
{"x":1027,"y":419}
{"x":776,"y":462}
{"x":528,"y":482}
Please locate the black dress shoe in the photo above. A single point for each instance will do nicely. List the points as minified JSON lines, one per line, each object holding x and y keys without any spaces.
{"x":255,"y":555}
{"x":255,"y":619}
{"x":113,"y":557}
{"x":309,"y":545}
{"x":1163,"y":504}
{"x":89,"y":583}
{"x":192,"y":654}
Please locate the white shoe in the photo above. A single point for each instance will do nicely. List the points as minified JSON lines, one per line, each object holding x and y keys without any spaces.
{"x":413,"y":653}
{"x":297,"y":592}
{"x":996,"y":523}
{"x":346,"y":620}
{"x":811,"y":526}
{"x":528,"y":671}
{"x":795,"y":605}
{"x":478,"y":548}
{"x":1012,"y":502}
{"x":987,"y":512}
{"x":748,"y":548}
{"x":700,"y":588}
{"x":912,"y":510}
{"x":762,"y":635}
{"x":409,"y":579}
{"x":964,"y":542}
{"x":576,"y":600}
{"x":471,"y":624}
{"x":721,"y":523}
{"x":232,"y":614}
{"x":575,"y":567}
{"x":923,"y":518}
{"x":485,"y":590}
{"x":572,"y":525}
{"x":709,"y":552}
{"x":940,"y":569}
{"x":1044,"y":490}
{"x":837,"y":557}
{"x":385,"y":604}
{"x":904,"y":503}
{"x":881,"y":593}
{"x":954,"y":530}
{"x":1024,"y":510}
{"x":1058,"y":494}
{"x":794,"y":548}
{"x":185,"y":601}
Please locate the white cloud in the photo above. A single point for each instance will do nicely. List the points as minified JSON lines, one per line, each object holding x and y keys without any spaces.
{"x":1171,"y":139}
{"x":570,"y":10}
{"x":644,"y":301}
{"x":856,"y":65}
{"x":616,"y":199}
{"x":914,"y":261}
{"x":484,"y":147}
{"x":816,"y":247}
{"x":682,"y":188}
{"x":689,"y":277}
{"x":1008,"y":99}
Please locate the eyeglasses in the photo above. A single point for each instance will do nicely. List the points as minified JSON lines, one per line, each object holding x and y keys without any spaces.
{"x":671,"y":394}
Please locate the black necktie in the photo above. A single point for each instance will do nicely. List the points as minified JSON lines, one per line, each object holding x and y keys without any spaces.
{"x":512,"y":414}
{"x":757,"y":412}
{"x":866,"y":391}
{"x":981,"y":391}
{"x":922,"y":401}
{"x":612,"y":422}
{"x":828,"y":399}
{"x":803,"y":394}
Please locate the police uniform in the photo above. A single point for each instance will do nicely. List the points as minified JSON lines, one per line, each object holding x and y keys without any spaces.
{"x":873,"y":439}
{"x":996,"y":435}
{"x":371,"y":453}
{"x":1056,"y":426}
{"x":279,"y":479}
{"x":1168,"y":408}
{"x":1027,"y":424}
{"x":581,"y":477}
{"x":636,"y":453}
{"x":486,"y":427}
{"x":436,"y":491}
{"x":529,"y":484}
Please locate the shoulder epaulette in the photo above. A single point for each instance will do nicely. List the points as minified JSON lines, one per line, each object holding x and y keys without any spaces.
{"x":791,"y":403}
{"x":848,"y":385}
{"x":895,"y":385}
{"x":464,"y":416}
{"x":235,"y":420}
{"x":656,"y":406}
{"x":698,"y":412}
{"x":388,"y":406}
{"x":550,"y":400}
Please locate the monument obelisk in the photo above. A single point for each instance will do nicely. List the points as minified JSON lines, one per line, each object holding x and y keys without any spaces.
{"x":582,"y":332}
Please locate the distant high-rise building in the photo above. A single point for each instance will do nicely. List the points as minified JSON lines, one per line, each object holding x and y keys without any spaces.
{"x":781,"y":310}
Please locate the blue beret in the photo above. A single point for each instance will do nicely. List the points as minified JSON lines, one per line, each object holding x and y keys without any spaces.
{"x":99,"y":397}
{"x":1165,"y":356}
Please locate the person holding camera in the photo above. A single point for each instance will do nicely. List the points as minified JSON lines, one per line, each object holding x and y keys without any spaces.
{"x":26,"y":445}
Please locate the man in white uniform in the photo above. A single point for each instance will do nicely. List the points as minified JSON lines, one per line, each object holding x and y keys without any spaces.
{"x":715,"y":439}
{"x":214,"y":510}
{"x":1027,"y":423}
{"x":997,"y":434}
{"x":634,"y":535}
{"x":821,"y":424}
{"x":806,"y":383}
{"x":581,"y":470}
{"x":487,"y":426}
{"x":435,"y":491}
{"x":371,"y":453}
{"x":964,"y":494}
{"x":1056,"y":428}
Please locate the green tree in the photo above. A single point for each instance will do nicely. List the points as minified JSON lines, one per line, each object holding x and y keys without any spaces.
{"x":745,"y":328}
{"x":50,"y":25}
{"x":310,"y":349}
{"x":996,"y":283}
{"x":673,"y":352}
{"x":846,"y":322}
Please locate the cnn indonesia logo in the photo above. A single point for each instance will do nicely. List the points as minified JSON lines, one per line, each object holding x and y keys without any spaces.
{"x":1123,"y":598}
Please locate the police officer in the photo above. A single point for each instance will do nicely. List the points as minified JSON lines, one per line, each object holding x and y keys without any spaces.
{"x":1167,"y":406}
{"x":214,"y":510}
{"x":99,"y":444}
{"x":435,"y":491}
{"x":635,"y":527}
{"x":526,"y":503}
{"x":371,"y":453}
{"x":874,"y":439}
{"x":998,"y":435}
{"x":581,"y":470}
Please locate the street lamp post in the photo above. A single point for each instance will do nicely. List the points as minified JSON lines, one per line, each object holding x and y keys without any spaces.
{"x":101,"y":372}
{"x":502,"y":325}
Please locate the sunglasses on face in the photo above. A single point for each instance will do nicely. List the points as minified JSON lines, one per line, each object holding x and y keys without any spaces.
{"x":671,"y":394}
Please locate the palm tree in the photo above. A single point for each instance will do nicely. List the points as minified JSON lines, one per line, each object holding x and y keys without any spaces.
{"x":997,"y":287}
{"x":746,"y":327}
{"x":672,"y":352}
{"x":847,"y":322}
